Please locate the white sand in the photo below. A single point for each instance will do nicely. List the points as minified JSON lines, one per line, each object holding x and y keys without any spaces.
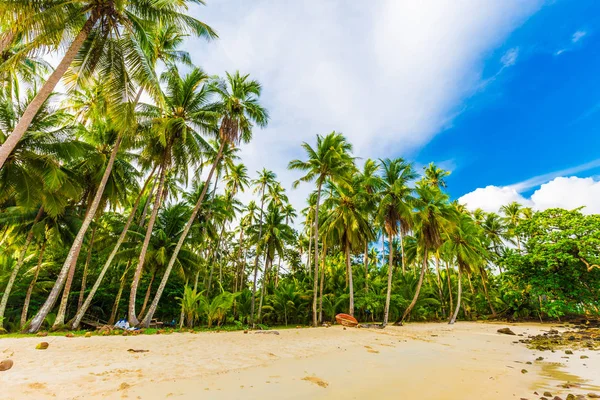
{"x":424,"y":361}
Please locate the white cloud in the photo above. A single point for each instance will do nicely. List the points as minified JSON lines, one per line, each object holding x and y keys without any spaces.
{"x":510,"y":57}
{"x":563,"y":192}
{"x":577,"y":36}
{"x":387,"y":74}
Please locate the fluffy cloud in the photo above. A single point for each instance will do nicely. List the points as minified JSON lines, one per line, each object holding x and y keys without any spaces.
{"x":564,"y":192}
{"x":388,"y":74}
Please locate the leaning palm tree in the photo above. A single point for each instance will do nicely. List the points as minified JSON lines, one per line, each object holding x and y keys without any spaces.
{"x":175,"y":142}
{"x":395,"y":210}
{"x":433,"y":217}
{"x":109,"y":38}
{"x":238,"y":109}
{"x":329,"y":160}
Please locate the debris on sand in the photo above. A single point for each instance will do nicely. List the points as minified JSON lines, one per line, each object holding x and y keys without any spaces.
{"x":5,"y":365}
{"x":267,"y":332}
{"x":506,"y":331}
{"x":137,"y":351}
{"x":42,"y":346}
{"x":316,"y":381}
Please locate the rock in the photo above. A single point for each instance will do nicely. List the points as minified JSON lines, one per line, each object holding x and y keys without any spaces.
{"x":539,"y":359}
{"x":543,"y":398}
{"x":245,"y":331}
{"x":593,"y":396}
{"x":506,"y":331}
{"x":69,"y":335}
{"x":570,"y":352}
{"x":528,"y":363}
{"x":571,"y":396}
{"x":344,"y":328}
{"x":583,"y":357}
{"x":42,"y":346}
{"x":557,"y":398}
{"x":547,"y":394}
{"x":5,"y":365}
{"x":42,"y":334}
{"x":88,"y":334}
{"x":524,"y":371}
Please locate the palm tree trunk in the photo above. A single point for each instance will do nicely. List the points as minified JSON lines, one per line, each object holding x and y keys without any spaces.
{"x":6,"y":40}
{"x":322,"y":282}
{"x":212,"y":264}
{"x":487,"y":296}
{"x":418,"y":291}
{"x":133,"y":320}
{"x":366,"y":262}
{"x":239,"y":269}
{"x":59,"y":321}
{"x":107,"y":264}
{"x":147,"y":296}
{"x":182,"y":238}
{"x":309,"y":254}
{"x":17,"y":267}
{"x":350,"y":284}
{"x":256,"y":258}
{"x":32,"y":285}
{"x":32,"y":109}
{"x":449,"y":284}
{"x":263,"y":289}
{"x":36,"y":322}
{"x":402,"y":250}
{"x":439,"y":281}
{"x":316,"y":233}
{"x":471,"y":284}
{"x":85,"y":269}
{"x":453,"y":319}
{"x":388,"y":295}
{"x":115,"y":308}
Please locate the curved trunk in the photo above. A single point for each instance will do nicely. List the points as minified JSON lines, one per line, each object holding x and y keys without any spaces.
{"x":256,"y":258}
{"x":17,"y":267}
{"x":37,"y":321}
{"x":115,"y":309}
{"x":418,"y":291}
{"x":32,"y":285}
{"x":59,"y":321}
{"x":350,"y":284}
{"x":107,"y":264}
{"x":388,"y":295}
{"x":453,"y":319}
{"x":133,"y":321}
{"x":85,"y":270}
{"x":182,"y":238}
{"x":316,"y":279}
{"x":32,"y":109}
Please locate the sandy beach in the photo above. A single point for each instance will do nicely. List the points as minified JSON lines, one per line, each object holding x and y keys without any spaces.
{"x":425,"y":361}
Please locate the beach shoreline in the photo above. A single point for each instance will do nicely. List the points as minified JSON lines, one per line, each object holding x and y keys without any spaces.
{"x":468,"y":360}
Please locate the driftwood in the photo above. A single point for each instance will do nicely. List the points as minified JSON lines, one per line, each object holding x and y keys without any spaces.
{"x":267,"y":332}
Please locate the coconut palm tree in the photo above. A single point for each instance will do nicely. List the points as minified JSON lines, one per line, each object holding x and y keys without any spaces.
{"x":238,"y":109}
{"x":329,"y":160}
{"x":347,"y":223}
{"x":108,"y":36}
{"x":395,"y":210}
{"x":435,"y":177}
{"x":433,"y":217}
{"x":513,"y":213}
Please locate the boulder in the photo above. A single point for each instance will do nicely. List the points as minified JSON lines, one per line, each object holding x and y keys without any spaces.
{"x":5,"y":365}
{"x":506,"y":331}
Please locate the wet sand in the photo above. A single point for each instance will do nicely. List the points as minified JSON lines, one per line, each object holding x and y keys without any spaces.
{"x":424,"y":361}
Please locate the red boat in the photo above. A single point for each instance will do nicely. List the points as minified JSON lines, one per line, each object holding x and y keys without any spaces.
{"x":346,"y":320}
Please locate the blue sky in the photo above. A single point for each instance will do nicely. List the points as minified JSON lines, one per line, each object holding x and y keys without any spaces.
{"x":536,"y":116}
{"x":503,"y":93}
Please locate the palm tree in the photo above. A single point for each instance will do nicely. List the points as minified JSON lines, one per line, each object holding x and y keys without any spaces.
{"x":176,"y":143}
{"x":107,"y":39}
{"x":433,"y":217}
{"x":434,"y":176}
{"x":330,"y":160}
{"x":395,"y":209}
{"x":238,"y":108}
{"x":464,"y":244}
{"x":512,"y":216}
{"x":265,"y":179}
{"x":372,"y":183}
{"x":347,"y":223}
